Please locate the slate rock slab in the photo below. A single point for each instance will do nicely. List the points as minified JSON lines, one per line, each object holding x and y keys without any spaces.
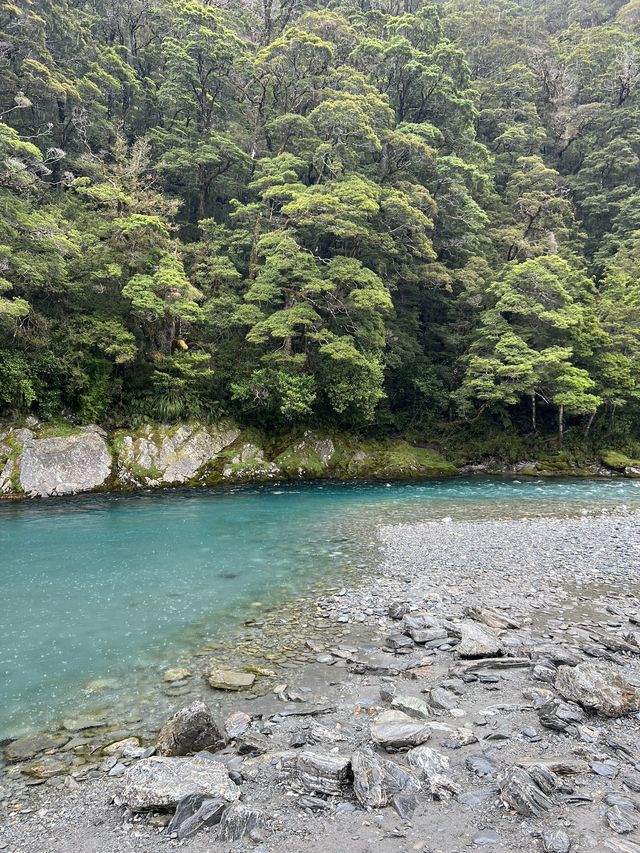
{"x":598,"y":688}
{"x":478,"y":641}
{"x":160,"y":783}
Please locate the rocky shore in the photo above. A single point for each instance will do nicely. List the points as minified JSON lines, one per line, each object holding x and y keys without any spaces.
{"x":481,"y":690}
{"x":45,"y":460}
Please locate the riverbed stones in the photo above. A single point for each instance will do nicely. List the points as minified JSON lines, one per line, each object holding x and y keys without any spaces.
{"x":433,"y":767}
{"x":491,"y":617}
{"x":126,"y":746}
{"x":412,"y":706}
{"x":47,"y":766}
{"x":322,"y":772}
{"x":28,"y":747}
{"x":228,"y":679}
{"x":190,"y":730}
{"x":561,"y":716}
{"x":555,"y":841}
{"x":598,"y":688}
{"x":397,"y":729}
{"x":239,"y":820}
{"x":176,"y":673}
{"x":521,"y":792}
{"x":237,"y":724}
{"x":478,"y":641}
{"x":377,"y":780}
{"x":193,"y":813}
{"x":160,"y":783}
{"x":64,"y":465}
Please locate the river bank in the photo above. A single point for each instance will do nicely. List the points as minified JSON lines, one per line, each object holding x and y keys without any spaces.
{"x":570,"y":586}
{"x":53,"y":459}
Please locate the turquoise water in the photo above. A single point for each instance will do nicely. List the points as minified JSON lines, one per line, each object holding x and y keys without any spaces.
{"x":103,"y":587}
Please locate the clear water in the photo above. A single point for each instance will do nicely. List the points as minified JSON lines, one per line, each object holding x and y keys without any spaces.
{"x":105,"y":587}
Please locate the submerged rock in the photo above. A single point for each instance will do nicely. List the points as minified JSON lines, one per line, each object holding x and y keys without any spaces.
{"x":28,"y":747}
{"x":396,"y":729}
{"x":598,"y":688}
{"x":190,"y":730}
{"x":160,"y":783}
{"x":229,"y":679}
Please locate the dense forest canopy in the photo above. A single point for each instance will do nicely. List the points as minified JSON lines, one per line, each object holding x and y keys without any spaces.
{"x":361,"y":213}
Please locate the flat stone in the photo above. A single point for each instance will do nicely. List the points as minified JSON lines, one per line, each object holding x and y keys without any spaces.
{"x":478,"y":641}
{"x":121,"y":746}
{"x":228,"y":679}
{"x":28,"y":747}
{"x":485,"y":837}
{"x":46,"y":767}
{"x":411,"y":706}
{"x":160,"y":783}
{"x":176,"y":674}
{"x":396,"y":729}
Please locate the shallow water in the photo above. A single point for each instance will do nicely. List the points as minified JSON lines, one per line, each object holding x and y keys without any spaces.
{"x":108,"y":587}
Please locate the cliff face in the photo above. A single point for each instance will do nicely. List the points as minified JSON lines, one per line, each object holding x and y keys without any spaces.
{"x":34,"y":463}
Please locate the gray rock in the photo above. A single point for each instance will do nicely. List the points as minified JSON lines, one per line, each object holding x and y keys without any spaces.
{"x":28,"y":747}
{"x":65,"y":465}
{"x":483,"y":765}
{"x":193,"y":813}
{"x":478,"y":641}
{"x":160,"y":783}
{"x":376,"y":780}
{"x":158,"y":455}
{"x":519,"y":791}
{"x":236,"y":724}
{"x":491,"y":617}
{"x":47,"y":766}
{"x":485,"y":837}
{"x":598,"y":688}
{"x":443,"y":699}
{"x":239,"y":820}
{"x":398,"y":643}
{"x":323,"y":773}
{"x":396,"y":729}
{"x":560,"y":716}
{"x":411,"y":706}
{"x":555,"y":841}
{"x":433,"y":767}
{"x":621,"y":820}
{"x":190,"y":730}
{"x":428,"y":635}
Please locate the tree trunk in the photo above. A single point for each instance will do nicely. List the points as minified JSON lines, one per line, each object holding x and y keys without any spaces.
{"x":589,"y":423}
{"x":561,"y":423}
{"x":534,"y":421}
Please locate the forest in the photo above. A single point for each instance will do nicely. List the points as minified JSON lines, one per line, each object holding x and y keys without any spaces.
{"x":378,"y":215}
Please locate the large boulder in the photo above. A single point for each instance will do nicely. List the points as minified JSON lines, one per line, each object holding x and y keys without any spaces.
{"x":64,"y":465}
{"x":164,"y":455}
{"x":190,"y":730}
{"x":598,"y":688}
{"x":160,"y":783}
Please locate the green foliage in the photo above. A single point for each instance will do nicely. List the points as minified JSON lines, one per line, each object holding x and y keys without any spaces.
{"x":342,"y":216}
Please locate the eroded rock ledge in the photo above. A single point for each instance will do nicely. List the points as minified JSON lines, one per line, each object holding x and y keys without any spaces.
{"x":36,"y":463}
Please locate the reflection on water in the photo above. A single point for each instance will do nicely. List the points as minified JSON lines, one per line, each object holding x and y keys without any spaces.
{"x":110,"y":587}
